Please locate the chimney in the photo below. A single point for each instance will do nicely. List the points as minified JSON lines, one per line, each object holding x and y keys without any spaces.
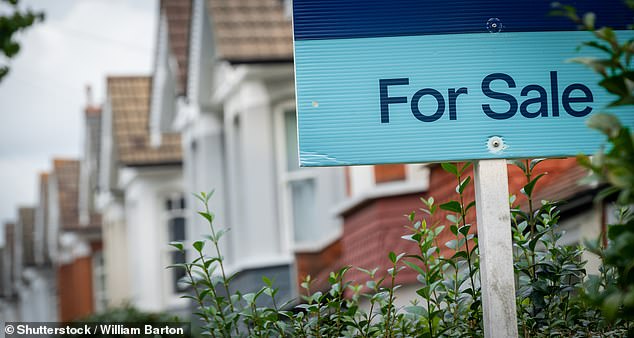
{"x":88,"y":95}
{"x":91,"y":109}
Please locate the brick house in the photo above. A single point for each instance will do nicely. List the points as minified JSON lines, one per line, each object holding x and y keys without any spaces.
{"x":73,"y":244}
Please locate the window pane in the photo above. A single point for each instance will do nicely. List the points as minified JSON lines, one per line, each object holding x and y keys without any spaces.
{"x":303,"y":195}
{"x":182,"y":203}
{"x":177,"y":229}
{"x":168,"y":204}
{"x":290,"y":134}
{"x":178,"y":257}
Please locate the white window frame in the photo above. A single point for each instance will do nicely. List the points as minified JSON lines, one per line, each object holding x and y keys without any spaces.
{"x":285,"y":177}
{"x":172,"y":297}
{"x":362,"y":180}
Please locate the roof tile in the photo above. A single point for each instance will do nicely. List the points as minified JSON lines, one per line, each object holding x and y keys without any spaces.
{"x":66,"y":172}
{"x":130,"y":102}
{"x":178,"y":14}
{"x":251,"y":31}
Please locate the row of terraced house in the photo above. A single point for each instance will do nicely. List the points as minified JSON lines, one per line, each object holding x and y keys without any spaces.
{"x":218,"y":112}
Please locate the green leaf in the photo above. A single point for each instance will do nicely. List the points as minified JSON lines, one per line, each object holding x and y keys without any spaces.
{"x":605,"y":193}
{"x":535,"y":162}
{"x":198,"y":245}
{"x":611,"y":305}
{"x":452,"y":244}
{"x":220,"y":233}
{"x":453,"y":206}
{"x":450,"y":168}
{"x":415,"y":267}
{"x":464,"y":168}
{"x":209,"y":194}
{"x":177,"y":266}
{"x":453,"y":229}
{"x":459,"y":254}
{"x":392,"y":257}
{"x":199,"y":197}
{"x":411,"y":216}
{"x":597,"y":45}
{"x":464,"y":230}
{"x":460,"y":188}
{"x":616,"y":85}
{"x":208,"y":216}
{"x":249,"y":297}
{"x":589,"y":20}
{"x":584,"y":161}
{"x":606,"y":123}
{"x":177,"y":245}
{"x":565,"y":11}
{"x":607,"y":34}
{"x":528,"y":188}
{"x":596,"y":64}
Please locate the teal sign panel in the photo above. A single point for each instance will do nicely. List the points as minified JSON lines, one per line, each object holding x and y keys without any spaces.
{"x":443,"y":86}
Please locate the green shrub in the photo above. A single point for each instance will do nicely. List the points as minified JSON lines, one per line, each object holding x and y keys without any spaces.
{"x":448,"y":303}
{"x":613,"y":290}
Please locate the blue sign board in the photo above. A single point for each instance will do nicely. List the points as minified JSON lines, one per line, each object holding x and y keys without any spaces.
{"x":403,"y":81}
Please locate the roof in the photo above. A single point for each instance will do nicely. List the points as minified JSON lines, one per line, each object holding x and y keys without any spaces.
{"x":130,"y":103}
{"x":66,"y":172}
{"x":178,"y":15}
{"x":26,"y":220}
{"x":251,"y":30}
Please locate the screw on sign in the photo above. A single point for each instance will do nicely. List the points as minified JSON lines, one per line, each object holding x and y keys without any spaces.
{"x":494,"y":25}
{"x":496,"y":144}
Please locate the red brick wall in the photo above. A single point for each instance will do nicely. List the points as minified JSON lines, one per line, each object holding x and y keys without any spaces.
{"x":312,"y":263}
{"x":389,"y":172}
{"x":371,"y":231}
{"x":374,"y":229}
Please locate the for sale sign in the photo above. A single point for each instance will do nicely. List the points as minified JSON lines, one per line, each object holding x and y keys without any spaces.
{"x":421,"y":81}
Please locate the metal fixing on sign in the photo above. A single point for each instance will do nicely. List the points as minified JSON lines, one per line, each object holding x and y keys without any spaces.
{"x":403,"y":81}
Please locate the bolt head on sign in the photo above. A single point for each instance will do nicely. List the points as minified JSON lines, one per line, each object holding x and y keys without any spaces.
{"x":405,"y":81}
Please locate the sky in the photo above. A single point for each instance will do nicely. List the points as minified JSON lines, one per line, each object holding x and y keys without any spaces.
{"x":42,"y":99}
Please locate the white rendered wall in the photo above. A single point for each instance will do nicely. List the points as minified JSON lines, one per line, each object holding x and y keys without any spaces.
{"x":115,"y":251}
{"x":203,"y":171}
{"x":146,"y":236}
{"x":253,"y":194}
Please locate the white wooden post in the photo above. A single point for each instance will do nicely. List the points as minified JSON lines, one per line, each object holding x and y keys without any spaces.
{"x":496,"y":248}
